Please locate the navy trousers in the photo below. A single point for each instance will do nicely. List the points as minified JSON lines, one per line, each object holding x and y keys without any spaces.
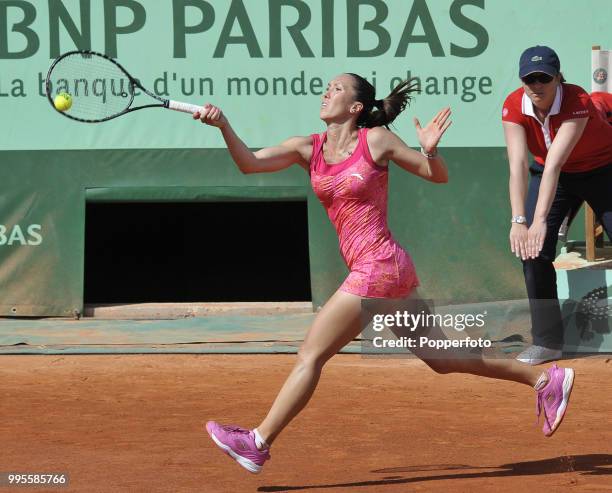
{"x":593,"y":187}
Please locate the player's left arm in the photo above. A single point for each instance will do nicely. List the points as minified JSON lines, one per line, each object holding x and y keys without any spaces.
{"x":563,"y":144}
{"x":387,"y":146}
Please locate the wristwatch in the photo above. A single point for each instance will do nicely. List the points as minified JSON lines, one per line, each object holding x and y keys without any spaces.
{"x":519,"y":219}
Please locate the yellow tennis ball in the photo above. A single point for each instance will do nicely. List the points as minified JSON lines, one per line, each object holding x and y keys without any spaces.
{"x":63,"y":101}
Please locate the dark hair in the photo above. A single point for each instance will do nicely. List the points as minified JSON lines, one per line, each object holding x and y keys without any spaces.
{"x":388,"y":108}
{"x":562,"y":78}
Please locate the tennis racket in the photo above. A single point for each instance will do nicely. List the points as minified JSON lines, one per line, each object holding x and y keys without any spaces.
{"x":101,"y":89}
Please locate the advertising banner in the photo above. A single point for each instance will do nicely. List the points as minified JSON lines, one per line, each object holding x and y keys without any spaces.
{"x":267,"y":62}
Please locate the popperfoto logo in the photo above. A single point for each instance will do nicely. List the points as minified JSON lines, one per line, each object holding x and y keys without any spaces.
{"x":600,"y":76}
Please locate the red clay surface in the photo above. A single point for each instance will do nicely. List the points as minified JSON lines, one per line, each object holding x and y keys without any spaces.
{"x":135,"y":423}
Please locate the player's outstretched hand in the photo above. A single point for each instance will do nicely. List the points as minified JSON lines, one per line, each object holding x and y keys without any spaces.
{"x":212,"y":115}
{"x":430,"y":135}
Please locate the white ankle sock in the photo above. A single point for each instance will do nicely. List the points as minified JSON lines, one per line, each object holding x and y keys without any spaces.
{"x":260,"y":443}
{"x":542,"y":381}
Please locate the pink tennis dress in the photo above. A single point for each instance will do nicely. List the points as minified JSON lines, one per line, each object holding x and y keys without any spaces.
{"x":354,"y":194}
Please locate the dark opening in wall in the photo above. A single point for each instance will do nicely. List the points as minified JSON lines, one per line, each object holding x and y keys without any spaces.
{"x":139,"y":252}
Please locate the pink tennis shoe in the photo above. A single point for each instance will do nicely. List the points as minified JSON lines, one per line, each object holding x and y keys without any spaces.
{"x":554,"y":397}
{"x":239,"y":444}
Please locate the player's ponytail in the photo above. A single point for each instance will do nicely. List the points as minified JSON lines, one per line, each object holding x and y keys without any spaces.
{"x":381,"y":112}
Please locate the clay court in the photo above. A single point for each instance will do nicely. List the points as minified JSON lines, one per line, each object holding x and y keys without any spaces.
{"x":135,"y":423}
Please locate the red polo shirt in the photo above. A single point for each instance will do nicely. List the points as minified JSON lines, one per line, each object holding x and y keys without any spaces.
{"x":594,"y":149}
{"x":603,"y":103}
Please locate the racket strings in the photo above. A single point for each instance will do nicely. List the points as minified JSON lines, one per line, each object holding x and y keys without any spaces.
{"x":99,"y":88}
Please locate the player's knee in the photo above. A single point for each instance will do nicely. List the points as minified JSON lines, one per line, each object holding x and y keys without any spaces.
{"x":310,"y":358}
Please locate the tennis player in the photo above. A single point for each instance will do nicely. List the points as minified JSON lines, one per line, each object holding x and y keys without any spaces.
{"x":348,"y":166}
{"x":572,"y":147}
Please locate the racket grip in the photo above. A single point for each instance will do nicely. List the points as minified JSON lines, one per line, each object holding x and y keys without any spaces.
{"x":184,"y":107}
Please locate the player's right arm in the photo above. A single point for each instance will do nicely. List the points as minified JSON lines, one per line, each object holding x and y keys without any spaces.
{"x":295,"y":150}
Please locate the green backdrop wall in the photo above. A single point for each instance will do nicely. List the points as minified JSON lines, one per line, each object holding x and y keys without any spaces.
{"x":456,"y":232}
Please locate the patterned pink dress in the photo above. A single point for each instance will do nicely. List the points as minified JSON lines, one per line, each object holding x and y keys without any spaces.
{"x":354,"y":194}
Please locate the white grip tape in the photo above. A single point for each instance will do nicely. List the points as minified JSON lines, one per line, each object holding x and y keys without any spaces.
{"x":184,"y":107}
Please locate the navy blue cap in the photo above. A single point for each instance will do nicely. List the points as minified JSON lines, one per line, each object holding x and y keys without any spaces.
{"x":539,"y":59}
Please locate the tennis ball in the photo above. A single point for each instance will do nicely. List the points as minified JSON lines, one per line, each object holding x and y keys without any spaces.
{"x":63,"y":101}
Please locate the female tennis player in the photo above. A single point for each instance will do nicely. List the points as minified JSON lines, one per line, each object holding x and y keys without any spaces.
{"x":348,"y":168}
{"x":572,"y":148}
